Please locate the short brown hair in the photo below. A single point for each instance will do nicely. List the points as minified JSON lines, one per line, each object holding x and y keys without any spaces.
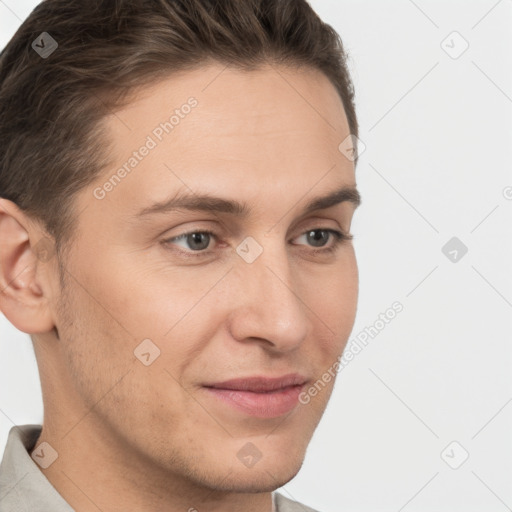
{"x":51,"y":139}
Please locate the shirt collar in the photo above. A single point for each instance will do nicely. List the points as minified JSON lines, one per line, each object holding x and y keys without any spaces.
{"x":24,"y":488}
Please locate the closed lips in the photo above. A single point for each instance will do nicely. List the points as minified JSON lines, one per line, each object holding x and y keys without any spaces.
{"x":260,"y":384}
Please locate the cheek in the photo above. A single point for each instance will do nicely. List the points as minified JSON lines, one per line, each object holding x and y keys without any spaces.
{"x":335,"y":302}
{"x":335,"y":310}
{"x":155,"y":301}
{"x":95,"y":353}
{"x":99,"y":323}
{"x":106,"y":373}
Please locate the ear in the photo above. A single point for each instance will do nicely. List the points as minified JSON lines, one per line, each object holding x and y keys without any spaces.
{"x":26,"y":254}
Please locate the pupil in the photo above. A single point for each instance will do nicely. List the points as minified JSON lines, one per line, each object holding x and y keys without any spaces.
{"x":196,"y":237}
{"x":315,"y":239}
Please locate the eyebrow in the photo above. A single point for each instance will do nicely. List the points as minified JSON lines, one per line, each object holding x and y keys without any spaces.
{"x":210,"y":203}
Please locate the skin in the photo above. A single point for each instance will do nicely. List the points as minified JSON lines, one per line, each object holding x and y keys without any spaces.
{"x":136,"y":437}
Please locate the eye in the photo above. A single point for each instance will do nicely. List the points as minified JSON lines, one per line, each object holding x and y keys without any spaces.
{"x":318,"y":241}
{"x":197,"y":242}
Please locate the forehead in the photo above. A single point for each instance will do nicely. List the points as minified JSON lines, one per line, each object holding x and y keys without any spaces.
{"x":264,"y":90}
{"x":222,"y":129}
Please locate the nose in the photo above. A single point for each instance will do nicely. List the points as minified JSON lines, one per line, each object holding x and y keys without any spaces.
{"x":267,"y":304}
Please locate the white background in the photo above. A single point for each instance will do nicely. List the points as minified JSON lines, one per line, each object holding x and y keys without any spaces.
{"x":437,"y":164}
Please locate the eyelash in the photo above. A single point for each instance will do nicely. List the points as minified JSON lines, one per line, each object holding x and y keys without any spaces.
{"x":339,"y":238}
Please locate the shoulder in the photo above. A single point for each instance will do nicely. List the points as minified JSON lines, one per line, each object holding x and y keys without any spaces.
{"x":286,"y":505}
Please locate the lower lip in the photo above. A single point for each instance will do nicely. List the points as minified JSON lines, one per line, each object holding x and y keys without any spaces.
{"x":261,"y":405}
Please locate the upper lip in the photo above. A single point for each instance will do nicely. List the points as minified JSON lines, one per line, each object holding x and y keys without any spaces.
{"x":260,"y":384}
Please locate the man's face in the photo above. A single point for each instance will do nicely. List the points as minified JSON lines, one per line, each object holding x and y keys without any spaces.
{"x":258,"y":298}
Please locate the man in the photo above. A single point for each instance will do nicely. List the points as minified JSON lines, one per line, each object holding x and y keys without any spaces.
{"x":174,"y":376}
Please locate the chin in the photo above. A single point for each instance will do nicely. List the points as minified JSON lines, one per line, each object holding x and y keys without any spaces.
{"x":267,"y":478}
{"x":279,"y":459}
{"x":271,"y":471}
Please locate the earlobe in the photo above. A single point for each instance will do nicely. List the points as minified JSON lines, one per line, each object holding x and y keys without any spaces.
{"x":24,"y":290}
